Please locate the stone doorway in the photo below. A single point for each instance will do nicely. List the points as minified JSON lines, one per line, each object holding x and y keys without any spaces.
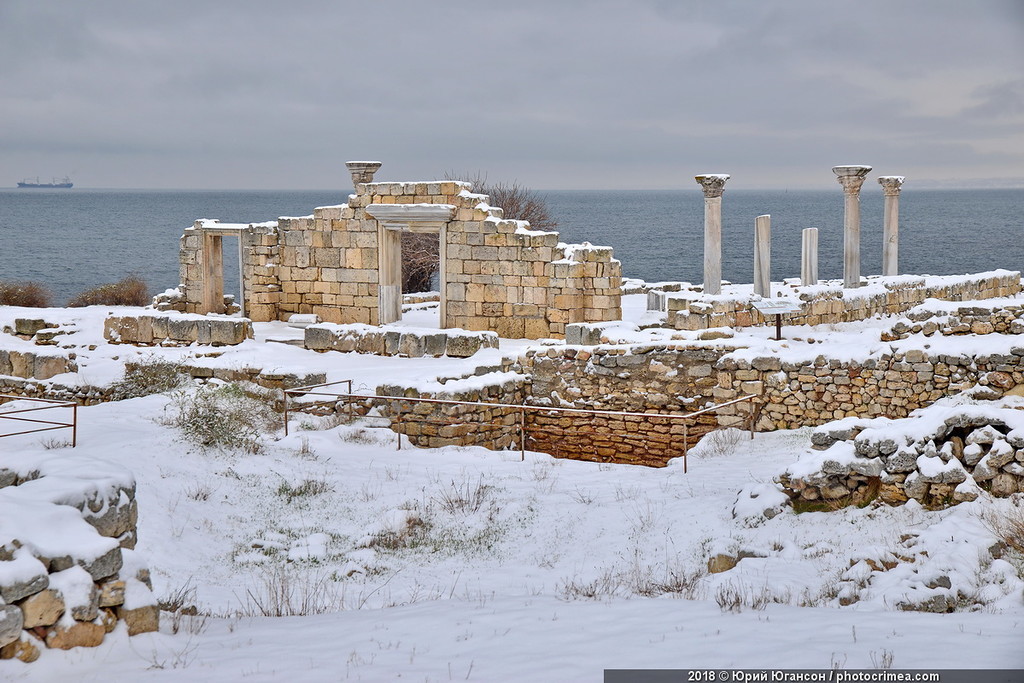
{"x":212,"y":259}
{"x":393,"y":220}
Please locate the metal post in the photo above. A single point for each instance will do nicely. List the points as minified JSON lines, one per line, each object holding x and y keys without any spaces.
{"x":399,"y":430}
{"x":284,"y":393}
{"x":522,"y":435}
{"x":686,"y":446}
{"x":74,"y":425}
{"x":751,"y":418}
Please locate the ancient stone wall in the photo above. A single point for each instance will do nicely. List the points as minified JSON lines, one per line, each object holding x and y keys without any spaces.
{"x":68,"y":573}
{"x":176,"y":329}
{"x":35,"y":364}
{"x":949,"y":319}
{"x":942,"y":456}
{"x":432,"y":425}
{"x":409,"y":343}
{"x":341,"y":261}
{"x":826,"y":304}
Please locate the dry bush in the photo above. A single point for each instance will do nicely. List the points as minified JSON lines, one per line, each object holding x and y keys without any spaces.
{"x":27,"y":294}
{"x":288,"y":593}
{"x":465,"y":498}
{"x":420,"y":261}
{"x":149,"y":375}
{"x":420,"y":251}
{"x":518,"y":202}
{"x":225,"y":418}
{"x":1007,"y":525}
{"x":131,"y":291}
{"x":720,"y":443}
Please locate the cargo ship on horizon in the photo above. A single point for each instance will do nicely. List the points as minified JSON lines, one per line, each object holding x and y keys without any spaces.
{"x":64,"y":184}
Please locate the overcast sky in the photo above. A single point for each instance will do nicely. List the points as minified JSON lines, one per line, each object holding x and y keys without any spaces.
{"x":557,"y":95}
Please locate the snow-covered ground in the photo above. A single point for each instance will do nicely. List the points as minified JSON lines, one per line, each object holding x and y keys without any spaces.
{"x":468,"y":564}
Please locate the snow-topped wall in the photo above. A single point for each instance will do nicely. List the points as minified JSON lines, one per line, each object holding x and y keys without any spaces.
{"x":939,"y":456}
{"x":68,"y":571}
{"x":343,"y":263}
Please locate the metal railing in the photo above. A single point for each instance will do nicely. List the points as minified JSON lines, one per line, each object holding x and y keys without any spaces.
{"x":400,"y":417}
{"x":53,"y":424}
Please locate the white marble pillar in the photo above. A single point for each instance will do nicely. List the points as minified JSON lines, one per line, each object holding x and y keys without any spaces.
{"x":713,"y":185}
{"x":362,"y":171}
{"x":891,"y":235}
{"x":809,"y":257}
{"x":851,"y":178}
{"x":763,"y":255}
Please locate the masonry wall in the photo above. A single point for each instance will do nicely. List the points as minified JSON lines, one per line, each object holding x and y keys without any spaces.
{"x":500,"y":275}
{"x":824,"y":304}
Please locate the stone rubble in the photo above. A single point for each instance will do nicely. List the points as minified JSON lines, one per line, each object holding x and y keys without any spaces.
{"x":63,"y":582}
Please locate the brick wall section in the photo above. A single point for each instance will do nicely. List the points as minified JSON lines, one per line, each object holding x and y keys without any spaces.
{"x":501,"y":276}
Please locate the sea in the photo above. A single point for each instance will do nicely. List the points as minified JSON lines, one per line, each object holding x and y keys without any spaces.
{"x":72,"y":240}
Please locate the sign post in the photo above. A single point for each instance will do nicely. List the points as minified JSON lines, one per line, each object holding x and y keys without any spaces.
{"x":776,"y":307}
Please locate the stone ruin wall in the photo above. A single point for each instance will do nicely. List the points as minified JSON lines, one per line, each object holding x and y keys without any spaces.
{"x":661,"y":378}
{"x":821,"y":305}
{"x":70,"y":575}
{"x":501,"y":276}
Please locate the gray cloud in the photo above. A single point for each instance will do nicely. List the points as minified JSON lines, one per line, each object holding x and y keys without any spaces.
{"x":575,"y":94}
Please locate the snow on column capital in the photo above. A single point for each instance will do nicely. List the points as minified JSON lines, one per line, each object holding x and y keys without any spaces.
{"x":851,"y":177}
{"x":362,"y":171}
{"x":713,"y":184}
{"x":891,"y":184}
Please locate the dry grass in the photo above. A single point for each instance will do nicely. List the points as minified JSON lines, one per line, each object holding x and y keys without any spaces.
{"x":131,"y":291}
{"x":1008,"y":525}
{"x":27,"y":294}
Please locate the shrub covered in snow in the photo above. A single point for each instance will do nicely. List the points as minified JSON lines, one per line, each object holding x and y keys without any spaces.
{"x":223,"y":417}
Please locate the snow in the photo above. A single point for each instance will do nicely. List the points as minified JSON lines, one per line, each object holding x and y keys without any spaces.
{"x":463,"y":563}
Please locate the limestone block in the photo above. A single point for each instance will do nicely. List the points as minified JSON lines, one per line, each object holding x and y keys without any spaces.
{"x":183,"y":329}
{"x":23,"y":649}
{"x":462,"y":346}
{"x":410,"y":345}
{"x":34,"y":578}
{"x":46,"y":367}
{"x":29,"y":326}
{"x":230,"y":332}
{"x":78,"y":634}
{"x":434,"y":344}
{"x":318,"y":338}
{"x":11,"y":623}
{"x":42,"y":609}
{"x":144,"y":619}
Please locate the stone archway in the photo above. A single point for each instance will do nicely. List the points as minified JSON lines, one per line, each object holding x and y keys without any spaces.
{"x":392,"y":221}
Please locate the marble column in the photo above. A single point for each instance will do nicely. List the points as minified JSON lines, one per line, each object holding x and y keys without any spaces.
{"x":763,"y":255}
{"x":891,"y":185}
{"x":362,"y":171}
{"x":809,"y":257}
{"x":851,"y":178}
{"x":713,"y":185}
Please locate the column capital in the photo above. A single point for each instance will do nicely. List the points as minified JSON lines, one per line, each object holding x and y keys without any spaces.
{"x":891,"y":184}
{"x":713,"y":184}
{"x":851,"y":177}
{"x":362,"y":171}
